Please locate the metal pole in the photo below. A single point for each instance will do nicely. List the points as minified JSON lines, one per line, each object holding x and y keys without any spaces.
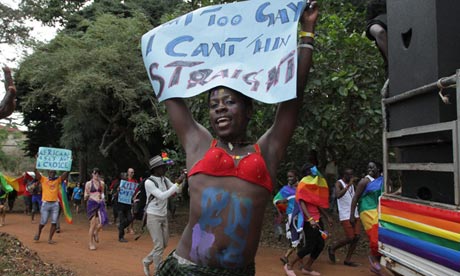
{"x":421,"y":90}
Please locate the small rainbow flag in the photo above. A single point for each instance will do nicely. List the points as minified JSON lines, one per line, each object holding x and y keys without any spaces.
{"x":313,"y":190}
{"x":63,"y":200}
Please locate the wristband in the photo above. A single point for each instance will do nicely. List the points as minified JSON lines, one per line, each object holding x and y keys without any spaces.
{"x":306,"y":45}
{"x":310,"y":219}
{"x":306,"y":34}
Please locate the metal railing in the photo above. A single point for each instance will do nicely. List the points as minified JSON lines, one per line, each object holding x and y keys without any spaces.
{"x":452,"y":126}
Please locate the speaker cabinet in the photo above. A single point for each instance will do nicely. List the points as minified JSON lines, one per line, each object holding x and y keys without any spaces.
{"x":423,"y":46}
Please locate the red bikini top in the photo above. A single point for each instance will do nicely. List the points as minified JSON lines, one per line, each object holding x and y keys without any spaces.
{"x":217,"y":162}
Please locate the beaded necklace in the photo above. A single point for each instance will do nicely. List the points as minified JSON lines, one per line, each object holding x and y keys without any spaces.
{"x":238,"y":157}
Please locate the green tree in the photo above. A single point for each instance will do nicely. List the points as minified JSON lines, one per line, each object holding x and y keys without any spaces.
{"x":13,"y":30}
{"x":90,"y":89}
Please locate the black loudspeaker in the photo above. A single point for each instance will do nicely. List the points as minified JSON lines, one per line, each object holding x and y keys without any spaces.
{"x":423,"y":46}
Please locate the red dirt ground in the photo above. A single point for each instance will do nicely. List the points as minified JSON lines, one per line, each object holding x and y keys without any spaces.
{"x":119,"y":259}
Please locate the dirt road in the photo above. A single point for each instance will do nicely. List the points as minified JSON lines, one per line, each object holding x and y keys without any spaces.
{"x":113,"y":258}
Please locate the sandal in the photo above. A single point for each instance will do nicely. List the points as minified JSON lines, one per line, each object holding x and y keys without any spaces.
{"x":330,"y":254}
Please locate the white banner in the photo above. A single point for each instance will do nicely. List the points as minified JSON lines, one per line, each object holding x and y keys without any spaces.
{"x":248,"y":46}
{"x":54,"y":159}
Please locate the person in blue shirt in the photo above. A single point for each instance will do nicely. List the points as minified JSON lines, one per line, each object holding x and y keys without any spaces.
{"x":76,"y":197}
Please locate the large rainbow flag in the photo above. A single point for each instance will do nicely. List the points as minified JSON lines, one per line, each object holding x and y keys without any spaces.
{"x":63,"y":200}
{"x":313,"y":190}
{"x":428,"y":232}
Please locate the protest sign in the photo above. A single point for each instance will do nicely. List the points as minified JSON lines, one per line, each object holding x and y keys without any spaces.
{"x":126,"y":192}
{"x":54,"y":159}
{"x":248,"y":46}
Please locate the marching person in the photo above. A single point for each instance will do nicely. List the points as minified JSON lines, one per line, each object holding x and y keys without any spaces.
{"x":158,"y":188}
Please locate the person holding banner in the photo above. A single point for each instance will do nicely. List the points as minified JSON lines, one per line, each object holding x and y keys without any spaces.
{"x":97,"y":215}
{"x":50,"y":201}
{"x":126,"y":190}
{"x":230,"y":177}
{"x":8,"y":104}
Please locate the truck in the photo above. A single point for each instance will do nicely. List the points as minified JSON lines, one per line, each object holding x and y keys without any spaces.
{"x":419,"y":226}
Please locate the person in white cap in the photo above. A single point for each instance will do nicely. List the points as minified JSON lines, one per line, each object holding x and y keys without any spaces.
{"x":158,"y":189}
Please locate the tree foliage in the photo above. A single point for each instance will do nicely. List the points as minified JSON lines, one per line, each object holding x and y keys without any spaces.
{"x":13,"y":30}
{"x":89,"y":89}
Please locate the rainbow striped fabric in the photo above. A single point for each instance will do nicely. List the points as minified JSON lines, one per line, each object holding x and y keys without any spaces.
{"x":63,"y":200}
{"x":313,"y":190}
{"x":5,"y":186}
{"x":425,"y":231}
{"x":18,"y":183}
{"x":368,"y":212}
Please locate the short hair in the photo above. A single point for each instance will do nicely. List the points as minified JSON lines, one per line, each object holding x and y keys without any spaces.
{"x":96,"y":170}
{"x":306,"y":169}
{"x":246,"y":100}
{"x":295,"y":172}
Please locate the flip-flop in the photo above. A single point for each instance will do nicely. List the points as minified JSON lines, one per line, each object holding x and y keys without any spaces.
{"x":352,"y":264}
{"x":331,"y":255}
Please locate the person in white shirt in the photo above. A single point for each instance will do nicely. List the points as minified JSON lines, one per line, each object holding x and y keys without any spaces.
{"x":344,"y":191}
{"x":158,"y":189}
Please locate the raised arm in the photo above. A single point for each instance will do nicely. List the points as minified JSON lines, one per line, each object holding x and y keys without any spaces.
{"x":189,"y":131}
{"x":8,"y":104}
{"x":38,"y":176}
{"x":276,"y":139}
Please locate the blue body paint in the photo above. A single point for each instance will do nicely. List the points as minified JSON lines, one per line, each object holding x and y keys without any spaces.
{"x":236,"y":226}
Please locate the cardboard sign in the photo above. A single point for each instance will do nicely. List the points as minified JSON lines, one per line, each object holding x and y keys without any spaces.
{"x":248,"y":46}
{"x":54,"y":159}
{"x":126,"y":192}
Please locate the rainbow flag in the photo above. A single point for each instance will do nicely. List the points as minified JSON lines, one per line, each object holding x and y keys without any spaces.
{"x":286,"y":193}
{"x":313,"y":190}
{"x":63,"y":200}
{"x":4,"y":185}
{"x":18,"y":183}
{"x":368,"y":212}
{"x":428,"y":232}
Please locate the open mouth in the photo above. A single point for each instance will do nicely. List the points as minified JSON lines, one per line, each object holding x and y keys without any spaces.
{"x":222,"y":122}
